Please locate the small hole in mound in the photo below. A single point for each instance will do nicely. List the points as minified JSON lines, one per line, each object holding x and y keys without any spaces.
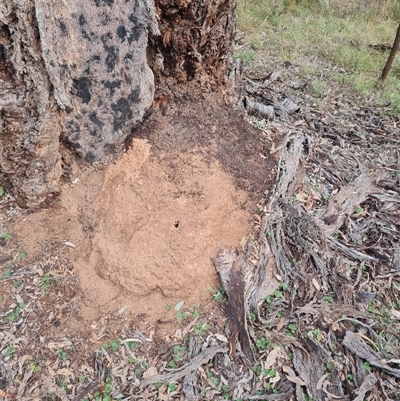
{"x":176,"y":224}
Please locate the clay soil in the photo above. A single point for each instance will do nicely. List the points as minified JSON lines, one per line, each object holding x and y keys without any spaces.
{"x":140,"y":233}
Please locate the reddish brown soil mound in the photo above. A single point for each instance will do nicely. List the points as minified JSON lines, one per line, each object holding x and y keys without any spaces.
{"x":146,"y":227}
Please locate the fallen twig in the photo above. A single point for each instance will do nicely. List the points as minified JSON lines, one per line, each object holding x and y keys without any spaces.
{"x":195,"y":363}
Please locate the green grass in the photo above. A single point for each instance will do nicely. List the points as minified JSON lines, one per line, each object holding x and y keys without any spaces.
{"x":328,"y":38}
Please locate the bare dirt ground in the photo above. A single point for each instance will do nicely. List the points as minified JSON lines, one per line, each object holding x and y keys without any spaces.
{"x":128,"y":241}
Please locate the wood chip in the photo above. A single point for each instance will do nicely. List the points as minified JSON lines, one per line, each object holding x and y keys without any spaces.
{"x":150,"y":372}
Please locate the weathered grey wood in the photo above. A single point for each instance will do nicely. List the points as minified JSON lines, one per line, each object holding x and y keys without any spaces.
{"x":345,"y":202}
{"x":354,"y":343}
{"x":29,"y":120}
{"x":177,"y":374}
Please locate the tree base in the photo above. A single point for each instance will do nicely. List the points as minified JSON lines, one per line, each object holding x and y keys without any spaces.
{"x":78,"y":74}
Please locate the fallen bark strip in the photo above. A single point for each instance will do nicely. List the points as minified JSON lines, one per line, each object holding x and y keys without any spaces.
{"x":348,"y":252}
{"x":309,"y":367}
{"x":232,"y":268}
{"x":236,"y":309}
{"x":189,"y":385}
{"x":256,"y":108}
{"x":369,"y":328}
{"x":279,"y":249}
{"x":195,"y":363}
{"x":290,"y":172}
{"x":48,"y":386}
{"x":345,"y":202}
{"x":88,"y":389}
{"x":260,"y":285}
{"x":357,"y":345}
{"x":332,"y":396}
{"x":368,"y":385}
{"x":383,"y":47}
{"x":283,"y":339}
{"x":271,"y":397}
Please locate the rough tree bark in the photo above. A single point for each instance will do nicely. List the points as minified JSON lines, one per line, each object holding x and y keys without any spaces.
{"x":75,"y":77}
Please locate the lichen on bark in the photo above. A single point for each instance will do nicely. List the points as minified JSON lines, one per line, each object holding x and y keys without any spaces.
{"x":73,"y":71}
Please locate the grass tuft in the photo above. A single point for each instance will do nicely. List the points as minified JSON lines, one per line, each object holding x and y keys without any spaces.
{"x":332,"y":33}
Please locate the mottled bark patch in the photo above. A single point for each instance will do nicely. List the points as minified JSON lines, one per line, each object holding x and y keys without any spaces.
{"x":76,"y":70}
{"x":79,"y":71}
{"x":82,"y":88}
{"x":104,"y":63}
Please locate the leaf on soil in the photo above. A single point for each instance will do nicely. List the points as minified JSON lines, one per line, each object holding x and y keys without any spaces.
{"x":291,"y":376}
{"x":64,"y":372}
{"x":179,"y":305}
{"x":296,"y":380}
{"x":221,"y":337}
{"x":58,"y":344}
{"x":321,"y":381}
{"x":272,"y":357}
{"x":123,"y":309}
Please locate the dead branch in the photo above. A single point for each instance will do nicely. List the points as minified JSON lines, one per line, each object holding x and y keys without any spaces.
{"x":395,"y":49}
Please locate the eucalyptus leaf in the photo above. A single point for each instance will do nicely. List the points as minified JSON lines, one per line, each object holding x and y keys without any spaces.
{"x":179,"y":305}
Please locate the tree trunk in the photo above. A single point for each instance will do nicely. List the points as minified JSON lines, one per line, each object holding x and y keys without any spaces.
{"x":75,"y":77}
